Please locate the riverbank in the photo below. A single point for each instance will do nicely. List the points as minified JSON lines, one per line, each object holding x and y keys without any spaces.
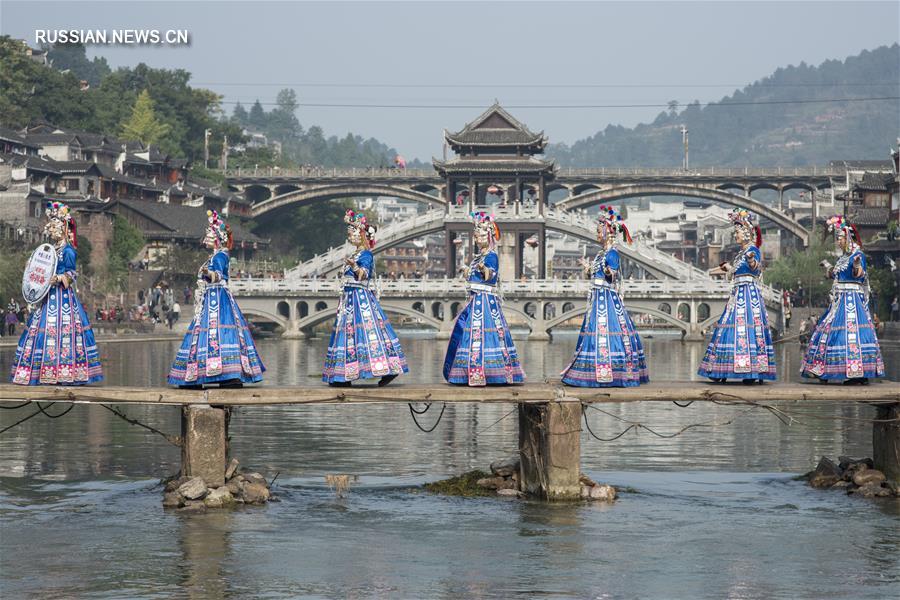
{"x":162,"y":335}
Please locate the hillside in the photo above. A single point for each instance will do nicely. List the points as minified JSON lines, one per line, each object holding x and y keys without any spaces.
{"x":31,"y":92}
{"x":732,"y":133}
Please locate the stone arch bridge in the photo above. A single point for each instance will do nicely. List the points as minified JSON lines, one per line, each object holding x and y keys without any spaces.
{"x":654,"y":262}
{"x":273,"y":189}
{"x":536,"y":305}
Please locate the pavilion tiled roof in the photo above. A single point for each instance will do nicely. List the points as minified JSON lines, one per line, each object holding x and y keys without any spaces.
{"x":496,"y":127}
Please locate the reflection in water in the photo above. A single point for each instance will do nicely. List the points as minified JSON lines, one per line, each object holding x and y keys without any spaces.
{"x":711,"y":513}
{"x":205,"y":549}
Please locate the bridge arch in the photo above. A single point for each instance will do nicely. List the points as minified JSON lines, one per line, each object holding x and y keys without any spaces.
{"x":285,"y":188}
{"x":637,"y":309}
{"x":257,"y":193}
{"x":329,"y":315}
{"x":762,"y":186}
{"x":433,"y":222}
{"x":670,"y":189}
{"x":264,"y":316}
{"x":324,"y":193}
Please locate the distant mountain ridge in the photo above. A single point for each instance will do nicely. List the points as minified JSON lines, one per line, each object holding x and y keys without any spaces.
{"x":776,"y":131}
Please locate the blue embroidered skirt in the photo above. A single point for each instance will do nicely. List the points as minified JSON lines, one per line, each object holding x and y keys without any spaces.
{"x":363,"y":344}
{"x":741,"y":344}
{"x":218,"y":345}
{"x":609,"y":352}
{"x":843,"y":344}
{"x":57,"y":346}
{"x":481,"y":349}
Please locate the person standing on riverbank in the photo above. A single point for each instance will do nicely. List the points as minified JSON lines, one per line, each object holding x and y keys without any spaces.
{"x":218,"y":347}
{"x":363,"y":344}
{"x":844,"y":346}
{"x":57,"y":346}
{"x":12,"y":319}
{"x":609,"y":352}
{"x":741,"y":344}
{"x":481,"y":350}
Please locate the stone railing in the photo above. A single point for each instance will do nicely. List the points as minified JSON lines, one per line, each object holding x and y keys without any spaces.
{"x":331,"y":173}
{"x":429,"y":173}
{"x":814,"y":171}
{"x":439,"y":288}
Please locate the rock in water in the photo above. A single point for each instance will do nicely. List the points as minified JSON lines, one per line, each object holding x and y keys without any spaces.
{"x":826,"y":474}
{"x":586,"y":491}
{"x":256,"y":478}
{"x":172,"y":500}
{"x":496,"y":483}
{"x":232,"y":467}
{"x":606,"y":493}
{"x":868,"y":476}
{"x":193,"y":506}
{"x":586,"y":481}
{"x":255,"y":493}
{"x":846,"y":462}
{"x":176,"y":483}
{"x":234,"y":486}
{"x":510,"y":493}
{"x":194,"y":489}
{"x":218,"y":498}
{"x":505,"y":467}
{"x":871,"y":490}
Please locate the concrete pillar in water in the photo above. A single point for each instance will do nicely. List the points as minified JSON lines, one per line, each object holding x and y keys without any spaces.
{"x":507,"y":255}
{"x":886,"y":442}
{"x":204,"y":452}
{"x":550,"y":449}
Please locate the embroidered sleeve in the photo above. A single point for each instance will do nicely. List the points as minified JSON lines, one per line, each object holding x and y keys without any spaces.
{"x":491,"y":265}
{"x":69,"y":257}
{"x":364,"y":266}
{"x":612,"y":260}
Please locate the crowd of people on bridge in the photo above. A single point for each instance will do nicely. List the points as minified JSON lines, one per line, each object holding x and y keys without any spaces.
{"x":57,"y":346}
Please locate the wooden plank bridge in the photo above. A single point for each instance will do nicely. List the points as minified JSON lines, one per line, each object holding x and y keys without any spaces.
{"x":549,"y":414}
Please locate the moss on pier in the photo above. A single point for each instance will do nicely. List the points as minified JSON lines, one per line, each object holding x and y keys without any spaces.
{"x":462,"y":485}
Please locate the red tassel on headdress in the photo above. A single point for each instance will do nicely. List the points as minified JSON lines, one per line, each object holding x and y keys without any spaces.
{"x":73,"y":233}
{"x":758,"y":231}
{"x":856,"y":235}
{"x":496,"y":232}
{"x":626,"y":234}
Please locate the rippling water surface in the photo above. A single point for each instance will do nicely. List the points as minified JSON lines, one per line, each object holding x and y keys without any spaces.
{"x":712,"y":513}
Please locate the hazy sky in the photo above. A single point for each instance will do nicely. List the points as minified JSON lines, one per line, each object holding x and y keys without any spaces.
{"x":518,"y":52}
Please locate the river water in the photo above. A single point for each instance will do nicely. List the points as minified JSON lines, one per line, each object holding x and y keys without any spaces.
{"x":712,"y":513}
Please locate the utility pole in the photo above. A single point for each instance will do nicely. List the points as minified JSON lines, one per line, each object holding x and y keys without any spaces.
{"x":206,"y":148}
{"x":224,"y":164}
{"x":684,"y":140}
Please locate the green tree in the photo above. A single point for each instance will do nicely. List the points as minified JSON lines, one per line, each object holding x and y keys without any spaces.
{"x":127,"y":241}
{"x":143,"y":125}
{"x":803,"y":267}
{"x":11,"y":268}
{"x":72,"y":57}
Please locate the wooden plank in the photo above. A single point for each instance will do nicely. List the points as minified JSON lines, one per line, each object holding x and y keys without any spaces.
{"x":664,"y":391}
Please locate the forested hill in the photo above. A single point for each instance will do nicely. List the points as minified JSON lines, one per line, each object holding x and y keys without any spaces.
{"x":774,"y":130}
{"x":31,"y":92}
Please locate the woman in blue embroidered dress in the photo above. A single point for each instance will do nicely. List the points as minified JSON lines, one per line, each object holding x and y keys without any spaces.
{"x":609,"y":352}
{"x":363,"y":344}
{"x":741,"y":344}
{"x":844,"y":346}
{"x":481,"y":350}
{"x":218,"y":346}
{"x":57,"y":346}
